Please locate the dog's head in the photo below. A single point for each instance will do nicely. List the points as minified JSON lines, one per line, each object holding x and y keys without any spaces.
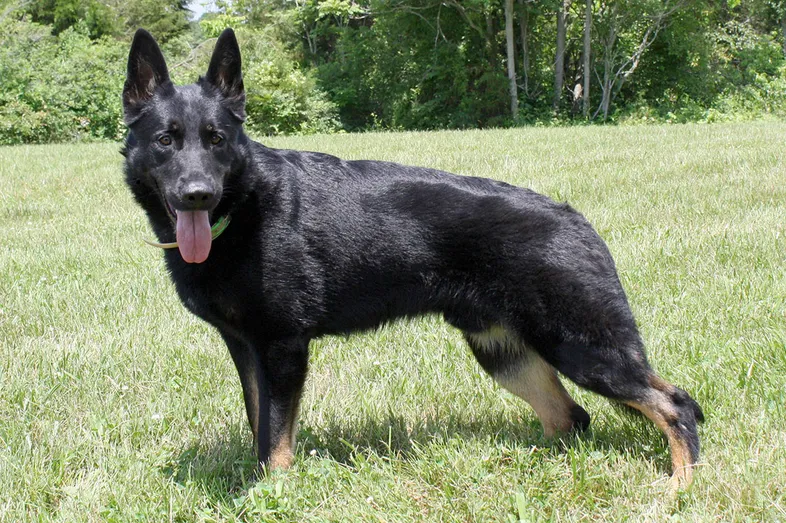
{"x":183,"y":142}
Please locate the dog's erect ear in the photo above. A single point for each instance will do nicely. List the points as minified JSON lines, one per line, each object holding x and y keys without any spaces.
{"x":225,"y":74}
{"x":147,"y":71}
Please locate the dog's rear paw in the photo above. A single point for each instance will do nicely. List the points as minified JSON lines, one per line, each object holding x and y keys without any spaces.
{"x":580,"y":419}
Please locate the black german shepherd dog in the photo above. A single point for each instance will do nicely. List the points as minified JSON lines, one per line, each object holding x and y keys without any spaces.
{"x":317,"y":245}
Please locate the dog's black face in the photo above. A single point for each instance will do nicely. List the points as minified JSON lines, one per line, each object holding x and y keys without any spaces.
{"x":183,"y":142}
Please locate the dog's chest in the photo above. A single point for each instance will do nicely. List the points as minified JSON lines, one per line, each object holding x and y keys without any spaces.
{"x":245,"y":307}
{"x":217,"y":300}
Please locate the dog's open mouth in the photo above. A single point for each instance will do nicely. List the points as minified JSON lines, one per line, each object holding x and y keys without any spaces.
{"x":194,"y":236}
{"x":215,"y":231}
{"x":193,"y":233}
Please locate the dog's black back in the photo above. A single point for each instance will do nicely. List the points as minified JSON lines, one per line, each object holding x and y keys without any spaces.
{"x":317,"y":245}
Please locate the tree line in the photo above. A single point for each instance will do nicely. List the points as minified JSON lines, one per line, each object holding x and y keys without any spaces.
{"x":330,"y":65}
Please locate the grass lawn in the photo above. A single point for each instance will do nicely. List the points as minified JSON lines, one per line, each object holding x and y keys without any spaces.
{"x":117,"y":405}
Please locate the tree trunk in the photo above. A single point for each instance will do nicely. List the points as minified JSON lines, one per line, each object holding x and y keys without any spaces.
{"x":514,"y":99}
{"x":608,"y":74}
{"x":559,"y":60}
{"x":587,"y":46}
{"x":490,"y":40}
{"x":783,"y":31}
{"x":524,"y":36}
{"x":724,"y":9}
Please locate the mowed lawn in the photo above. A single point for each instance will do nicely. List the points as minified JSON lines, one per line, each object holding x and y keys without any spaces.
{"x":118,"y":405}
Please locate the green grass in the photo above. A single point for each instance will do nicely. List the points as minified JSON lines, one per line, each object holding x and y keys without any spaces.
{"x":117,"y":405}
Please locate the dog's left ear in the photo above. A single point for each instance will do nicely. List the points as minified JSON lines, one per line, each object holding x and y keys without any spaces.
{"x":225,"y":74}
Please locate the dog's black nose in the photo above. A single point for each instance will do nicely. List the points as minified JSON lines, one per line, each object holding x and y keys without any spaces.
{"x":197,"y":196}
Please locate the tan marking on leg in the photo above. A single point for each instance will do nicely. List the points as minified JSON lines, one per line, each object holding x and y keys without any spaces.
{"x":251,"y":398}
{"x":658,"y":383}
{"x":660,"y":410}
{"x":537,"y":383}
{"x":532,"y":379}
{"x":283,"y":453}
{"x":282,"y":456}
{"x":246,"y":363}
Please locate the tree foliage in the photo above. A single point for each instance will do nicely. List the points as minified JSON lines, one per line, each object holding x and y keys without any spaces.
{"x":58,"y":88}
{"x":168,"y":18}
{"x":325,"y":65}
{"x":442,"y":63}
{"x":64,"y":83}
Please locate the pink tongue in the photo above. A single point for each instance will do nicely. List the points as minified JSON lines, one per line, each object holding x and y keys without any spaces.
{"x":193,"y":235}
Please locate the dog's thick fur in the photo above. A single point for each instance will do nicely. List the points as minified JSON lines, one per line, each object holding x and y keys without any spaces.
{"x":318,"y":245}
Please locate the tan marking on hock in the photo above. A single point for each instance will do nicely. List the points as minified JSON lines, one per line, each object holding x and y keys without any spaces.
{"x":661,"y":412}
{"x":682,"y":467}
{"x":658,"y":383}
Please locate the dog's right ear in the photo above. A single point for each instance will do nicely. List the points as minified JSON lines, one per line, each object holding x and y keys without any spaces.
{"x":146,"y":72}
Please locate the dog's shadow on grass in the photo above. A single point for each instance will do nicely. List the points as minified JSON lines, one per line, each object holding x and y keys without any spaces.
{"x":221,"y":465}
{"x":397,"y":438}
{"x":227,"y":464}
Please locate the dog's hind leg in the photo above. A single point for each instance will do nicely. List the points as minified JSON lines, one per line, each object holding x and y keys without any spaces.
{"x":676,"y":414}
{"x":526,"y":374}
{"x":623,"y":374}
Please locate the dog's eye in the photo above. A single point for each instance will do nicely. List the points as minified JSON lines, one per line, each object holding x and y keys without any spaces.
{"x":216,"y":139}
{"x":165,"y":140}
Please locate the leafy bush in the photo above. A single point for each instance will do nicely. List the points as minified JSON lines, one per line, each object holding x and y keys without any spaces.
{"x":742,"y":77}
{"x":765,"y":95}
{"x":392,"y":75}
{"x":66,"y":87}
{"x":58,"y":88}
{"x":281,"y":98}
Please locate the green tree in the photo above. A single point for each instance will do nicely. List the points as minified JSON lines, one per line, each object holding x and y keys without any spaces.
{"x":58,"y":88}
{"x":62,"y":14}
{"x":164,"y":18}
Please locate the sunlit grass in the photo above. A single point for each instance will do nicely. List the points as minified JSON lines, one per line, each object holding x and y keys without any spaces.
{"x":116,"y":404}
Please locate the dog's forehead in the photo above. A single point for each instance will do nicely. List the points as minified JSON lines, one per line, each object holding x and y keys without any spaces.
{"x":190,"y":105}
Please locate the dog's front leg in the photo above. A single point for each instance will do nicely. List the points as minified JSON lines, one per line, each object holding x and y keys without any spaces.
{"x":248,"y":363}
{"x":285,"y":364}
